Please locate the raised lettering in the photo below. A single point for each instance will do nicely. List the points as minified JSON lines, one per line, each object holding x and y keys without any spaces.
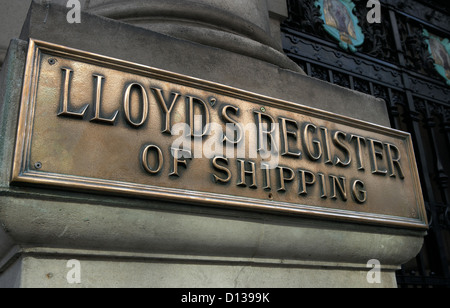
{"x":64,"y":104}
{"x":283,"y":178}
{"x":394,"y":162}
{"x":266,"y":136}
{"x":177,"y":155}
{"x":166,"y":108}
{"x":98,"y":89}
{"x":236,"y":129}
{"x":374,"y":155}
{"x":358,"y":150}
{"x":338,"y":185}
{"x":317,"y":153}
{"x":304,"y":182}
{"x":143,"y":103}
{"x":326,"y":145}
{"x":359,"y":194}
{"x":243,"y":173}
{"x":222,"y":169}
{"x":159,"y":159}
{"x":266,"y":177}
{"x":322,"y":184}
{"x":285,"y":134}
{"x":191,"y":102}
{"x":344,"y":149}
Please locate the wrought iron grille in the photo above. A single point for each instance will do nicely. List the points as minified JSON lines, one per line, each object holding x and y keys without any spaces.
{"x":395,"y":64}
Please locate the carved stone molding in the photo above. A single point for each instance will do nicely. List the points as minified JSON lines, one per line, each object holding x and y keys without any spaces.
{"x":240,"y":27}
{"x":335,"y":58}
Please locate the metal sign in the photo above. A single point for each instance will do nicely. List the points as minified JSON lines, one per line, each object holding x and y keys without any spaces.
{"x":93,"y":123}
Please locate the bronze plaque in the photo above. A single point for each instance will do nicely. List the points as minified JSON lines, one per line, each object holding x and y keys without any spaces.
{"x":93,"y":123}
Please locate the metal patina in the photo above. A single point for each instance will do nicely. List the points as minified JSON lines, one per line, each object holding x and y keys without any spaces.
{"x":439,"y":50}
{"x":341,"y":23}
{"x":93,"y":123}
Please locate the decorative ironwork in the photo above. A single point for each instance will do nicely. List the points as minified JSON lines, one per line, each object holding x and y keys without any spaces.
{"x":415,"y":47}
{"x":341,"y":23}
{"x":306,"y":16}
{"x":379,"y":42}
{"x":394,"y":64}
{"x":440,"y":53}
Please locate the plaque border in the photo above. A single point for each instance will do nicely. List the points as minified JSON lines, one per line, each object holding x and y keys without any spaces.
{"x":21,"y":174}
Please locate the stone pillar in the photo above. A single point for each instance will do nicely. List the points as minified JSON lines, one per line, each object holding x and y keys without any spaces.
{"x":125,"y":241}
{"x":13,"y":15}
{"x":249,"y":28}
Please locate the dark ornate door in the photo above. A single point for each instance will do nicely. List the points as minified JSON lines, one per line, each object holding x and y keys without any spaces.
{"x":403,"y":61}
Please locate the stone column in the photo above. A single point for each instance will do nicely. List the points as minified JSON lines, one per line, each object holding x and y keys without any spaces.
{"x":249,"y":28}
{"x":13,"y":14}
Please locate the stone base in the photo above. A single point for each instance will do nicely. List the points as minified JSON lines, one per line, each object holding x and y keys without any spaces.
{"x":122,"y":242}
{"x":48,"y":268}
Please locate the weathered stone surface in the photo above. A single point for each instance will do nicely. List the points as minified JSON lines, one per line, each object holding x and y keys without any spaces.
{"x":12,"y":16}
{"x":196,"y":60}
{"x":150,"y":272}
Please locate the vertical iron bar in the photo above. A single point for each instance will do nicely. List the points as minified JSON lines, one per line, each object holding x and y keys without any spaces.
{"x":442,"y":178}
{"x":393,"y":110}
